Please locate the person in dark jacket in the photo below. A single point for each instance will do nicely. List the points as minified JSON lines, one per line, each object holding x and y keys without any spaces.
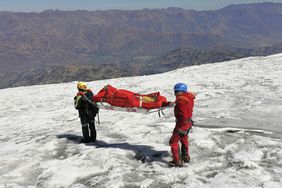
{"x":87,"y":111}
{"x":183,"y":112}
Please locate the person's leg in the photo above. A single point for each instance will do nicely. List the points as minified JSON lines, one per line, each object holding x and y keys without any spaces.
{"x":176,"y":162}
{"x":185,"y":149}
{"x":174,"y":146}
{"x":93,"y":133}
{"x":85,"y":131}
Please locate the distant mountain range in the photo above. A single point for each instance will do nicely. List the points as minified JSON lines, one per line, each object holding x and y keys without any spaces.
{"x":54,"y":46}
{"x":174,"y":59}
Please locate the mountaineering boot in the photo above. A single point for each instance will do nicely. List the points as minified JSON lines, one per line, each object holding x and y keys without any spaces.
{"x":85,"y":133}
{"x":174,"y":163}
{"x":93,"y":133}
{"x":186,"y":159}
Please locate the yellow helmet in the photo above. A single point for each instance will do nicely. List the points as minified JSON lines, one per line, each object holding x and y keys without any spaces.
{"x":81,"y":85}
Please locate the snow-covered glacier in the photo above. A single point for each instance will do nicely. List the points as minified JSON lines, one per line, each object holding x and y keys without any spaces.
{"x":236,"y":141}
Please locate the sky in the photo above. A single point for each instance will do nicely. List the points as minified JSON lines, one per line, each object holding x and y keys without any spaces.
{"x":40,"y":138}
{"x":41,"y":5}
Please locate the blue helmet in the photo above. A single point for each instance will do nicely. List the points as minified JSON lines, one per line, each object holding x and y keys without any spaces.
{"x":181,"y":87}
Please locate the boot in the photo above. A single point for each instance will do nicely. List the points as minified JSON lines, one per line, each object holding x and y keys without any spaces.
{"x":175,"y":163}
{"x":186,"y":159}
{"x":85,"y":133}
{"x":93,"y":133}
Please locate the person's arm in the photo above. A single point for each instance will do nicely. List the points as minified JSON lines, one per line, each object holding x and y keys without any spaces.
{"x":180,"y":114}
{"x":77,"y":101}
{"x":80,"y":100}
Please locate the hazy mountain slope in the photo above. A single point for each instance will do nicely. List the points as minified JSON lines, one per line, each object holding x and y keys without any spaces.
{"x":113,"y":66}
{"x":184,"y":57}
{"x":29,"y":40}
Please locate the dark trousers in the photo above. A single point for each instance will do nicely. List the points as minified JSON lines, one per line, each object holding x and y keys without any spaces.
{"x":88,"y":128}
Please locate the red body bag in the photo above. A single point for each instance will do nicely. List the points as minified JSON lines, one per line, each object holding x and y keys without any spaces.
{"x":125,"y":98}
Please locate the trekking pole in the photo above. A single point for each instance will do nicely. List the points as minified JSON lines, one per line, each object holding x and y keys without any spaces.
{"x":98,"y":118}
{"x":159,"y":113}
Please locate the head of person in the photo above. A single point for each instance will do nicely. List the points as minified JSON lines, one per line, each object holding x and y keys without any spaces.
{"x":180,"y":88}
{"x":81,"y":86}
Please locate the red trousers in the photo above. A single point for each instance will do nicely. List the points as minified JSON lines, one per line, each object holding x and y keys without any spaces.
{"x":175,"y":138}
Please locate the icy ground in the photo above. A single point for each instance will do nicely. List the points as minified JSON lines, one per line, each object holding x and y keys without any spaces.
{"x":236,"y":141}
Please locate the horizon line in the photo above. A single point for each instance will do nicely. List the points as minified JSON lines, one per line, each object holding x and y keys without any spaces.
{"x":133,"y":9}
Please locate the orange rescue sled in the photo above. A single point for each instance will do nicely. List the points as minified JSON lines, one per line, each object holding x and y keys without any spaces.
{"x":112,"y":98}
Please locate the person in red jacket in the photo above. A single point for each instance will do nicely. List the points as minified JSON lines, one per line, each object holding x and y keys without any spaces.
{"x":183,"y":112}
{"x":87,"y":111}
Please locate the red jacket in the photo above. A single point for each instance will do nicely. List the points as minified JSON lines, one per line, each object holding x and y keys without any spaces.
{"x":183,"y":110}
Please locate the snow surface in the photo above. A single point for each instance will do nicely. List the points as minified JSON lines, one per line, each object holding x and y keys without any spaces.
{"x":236,"y":141}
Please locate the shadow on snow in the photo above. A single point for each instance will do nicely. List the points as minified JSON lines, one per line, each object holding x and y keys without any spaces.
{"x":143,"y":153}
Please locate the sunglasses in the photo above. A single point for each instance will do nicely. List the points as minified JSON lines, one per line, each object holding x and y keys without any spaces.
{"x":176,"y":92}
